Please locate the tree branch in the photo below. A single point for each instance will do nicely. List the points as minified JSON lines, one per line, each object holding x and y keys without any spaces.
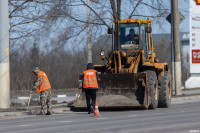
{"x":95,"y":13}
{"x":112,"y":3}
{"x":118,"y":9}
{"x":134,"y":9}
{"x":17,"y":7}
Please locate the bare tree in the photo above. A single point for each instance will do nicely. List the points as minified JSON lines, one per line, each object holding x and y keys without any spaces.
{"x":28,"y":17}
{"x":58,"y":29}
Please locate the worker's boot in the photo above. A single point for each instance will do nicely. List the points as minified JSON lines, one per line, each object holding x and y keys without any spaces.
{"x":91,"y":109}
{"x":49,"y":113}
{"x":41,"y":113}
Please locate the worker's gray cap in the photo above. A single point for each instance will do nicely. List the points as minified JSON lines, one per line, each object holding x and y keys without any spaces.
{"x":36,"y":70}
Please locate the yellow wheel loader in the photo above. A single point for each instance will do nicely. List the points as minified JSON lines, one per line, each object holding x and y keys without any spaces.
{"x":132,"y":76}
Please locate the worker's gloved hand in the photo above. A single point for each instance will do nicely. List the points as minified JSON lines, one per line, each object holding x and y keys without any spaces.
{"x":33,"y":89}
{"x":31,"y":92}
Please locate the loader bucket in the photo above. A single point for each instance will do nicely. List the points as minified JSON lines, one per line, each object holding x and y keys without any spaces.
{"x":120,"y":91}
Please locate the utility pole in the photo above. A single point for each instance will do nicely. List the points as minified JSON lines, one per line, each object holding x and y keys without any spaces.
{"x":4,"y":56}
{"x":89,"y":34}
{"x":172,"y":50}
{"x":176,"y":42}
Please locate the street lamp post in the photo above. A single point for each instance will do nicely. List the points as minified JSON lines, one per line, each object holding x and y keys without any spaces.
{"x":4,"y":56}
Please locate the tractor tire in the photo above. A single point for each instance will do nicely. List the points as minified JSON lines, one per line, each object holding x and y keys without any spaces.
{"x":165,"y":91}
{"x":153,"y":89}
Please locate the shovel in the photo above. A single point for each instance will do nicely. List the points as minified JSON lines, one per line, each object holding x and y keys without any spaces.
{"x":72,"y":102}
{"x":29,"y":101}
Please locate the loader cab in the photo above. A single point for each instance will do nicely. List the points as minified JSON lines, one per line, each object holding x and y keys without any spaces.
{"x":128,"y":36}
{"x":144,"y":39}
{"x":134,"y":36}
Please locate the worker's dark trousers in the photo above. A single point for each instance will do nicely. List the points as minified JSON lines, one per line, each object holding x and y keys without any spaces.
{"x":90,"y":93}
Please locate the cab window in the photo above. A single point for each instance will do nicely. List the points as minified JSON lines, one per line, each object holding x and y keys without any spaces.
{"x":129,"y":35}
{"x":144,"y":39}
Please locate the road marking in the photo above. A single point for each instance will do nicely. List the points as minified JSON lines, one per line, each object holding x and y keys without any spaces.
{"x":23,"y":98}
{"x":159,"y":113}
{"x":61,"y":96}
{"x":24,"y":125}
{"x":102,"y":118}
{"x":130,"y":124}
{"x":65,"y":121}
{"x":132,"y":115}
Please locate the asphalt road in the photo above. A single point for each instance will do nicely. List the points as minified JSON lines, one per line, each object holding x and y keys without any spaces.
{"x":179,"y":118}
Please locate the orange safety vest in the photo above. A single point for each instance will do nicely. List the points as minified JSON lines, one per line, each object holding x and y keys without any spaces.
{"x":90,"y":79}
{"x":45,"y":82}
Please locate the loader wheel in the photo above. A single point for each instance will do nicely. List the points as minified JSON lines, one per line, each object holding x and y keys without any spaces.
{"x":153,"y":89}
{"x":165,"y":92}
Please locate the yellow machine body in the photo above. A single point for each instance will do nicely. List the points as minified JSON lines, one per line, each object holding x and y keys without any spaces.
{"x":133,"y":75}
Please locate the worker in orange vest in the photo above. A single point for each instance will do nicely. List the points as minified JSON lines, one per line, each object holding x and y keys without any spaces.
{"x":43,"y":87}
{"x":90,"y":86}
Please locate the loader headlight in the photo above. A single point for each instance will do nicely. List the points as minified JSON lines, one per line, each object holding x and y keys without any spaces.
{"x":102,"y":53}
{"x":150,"y":52}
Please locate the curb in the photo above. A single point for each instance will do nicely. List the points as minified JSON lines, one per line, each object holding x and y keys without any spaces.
{"x":185,"y":99}
{"x":61,"y":110}
{"x":4,"y":114}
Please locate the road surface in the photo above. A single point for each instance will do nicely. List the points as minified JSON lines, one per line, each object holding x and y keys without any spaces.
{"x":179,"y":118}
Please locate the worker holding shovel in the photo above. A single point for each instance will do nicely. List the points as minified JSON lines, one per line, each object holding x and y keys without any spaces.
{"x":43,"y":87}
